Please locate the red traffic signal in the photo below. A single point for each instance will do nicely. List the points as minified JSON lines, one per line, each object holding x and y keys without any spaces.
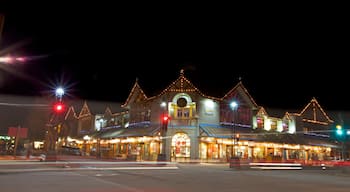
{"x":58,"y":107}
{"x":165,"y":118}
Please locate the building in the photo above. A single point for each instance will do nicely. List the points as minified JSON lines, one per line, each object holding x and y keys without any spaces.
{"x":202,"y":127}
{"x":23,"y":112}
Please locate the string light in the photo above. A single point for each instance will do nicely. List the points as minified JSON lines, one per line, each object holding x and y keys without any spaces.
{"x":314,"y":102}
{"x":134,"y":88}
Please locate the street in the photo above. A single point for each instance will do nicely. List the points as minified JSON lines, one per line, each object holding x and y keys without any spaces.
{"x":186,"y":177}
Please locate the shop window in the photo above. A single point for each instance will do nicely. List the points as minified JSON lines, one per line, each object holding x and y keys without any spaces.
{"x":285,"y":127}
{"x":273,"y":125}
{"x":260,"y":122}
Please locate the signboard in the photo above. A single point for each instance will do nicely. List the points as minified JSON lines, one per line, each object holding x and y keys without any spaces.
{"x":20,"y":132}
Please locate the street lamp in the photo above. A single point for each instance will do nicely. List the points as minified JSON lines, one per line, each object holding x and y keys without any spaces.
{"x":163,"y":105}
{"x":59,"y":93}
{"x":98,"y":144}
{"x":233,"y":106}
{"x":54,"y":125}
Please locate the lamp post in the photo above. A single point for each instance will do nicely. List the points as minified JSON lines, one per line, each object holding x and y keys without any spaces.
{"x":54,"y":126}
{"x":233,"y":106}
{"x":98,"y":144}
{"x":59,"y":108}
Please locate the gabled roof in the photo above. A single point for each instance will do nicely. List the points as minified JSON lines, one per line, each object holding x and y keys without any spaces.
{"x":241,"y":89}
{"x":313,"y":112}
{"x":136,"y":90}
{"x":85,"y":110}
{"x":71,"y":111}
{"x":287,"y":116}
{"x":94,"y":107}
{"x":262,"y":111}
{"x":182,"y":84}
{"x":108,"y":111}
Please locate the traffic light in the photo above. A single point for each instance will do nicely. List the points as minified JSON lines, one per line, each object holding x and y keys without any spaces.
{"x":339,"y":130}
{"x":59,"y":107}
{"x":165,"y":120}
{"x":237,"y":137}
{"x":341,"y":133}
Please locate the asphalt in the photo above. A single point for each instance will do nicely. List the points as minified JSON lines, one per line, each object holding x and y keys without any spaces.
{"x":68,"y":162}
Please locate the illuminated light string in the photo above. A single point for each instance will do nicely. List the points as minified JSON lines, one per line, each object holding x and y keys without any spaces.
{"x":313,"y":121}
{"x":182,"y":79}
{"x":240,"y":84}
{"x":282,"y":133}
{"x":134,"y":88}
{"x":313,"y":102}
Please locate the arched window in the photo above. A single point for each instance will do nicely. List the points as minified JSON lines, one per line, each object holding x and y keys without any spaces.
{"x":182,"y":107}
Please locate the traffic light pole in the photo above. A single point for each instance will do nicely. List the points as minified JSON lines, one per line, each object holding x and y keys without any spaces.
{"x":163,"y":130}
{"x":51,"y":138}
{"x":54,"y":126}
{"x":342,"y":135}
{"x":163,"y":133}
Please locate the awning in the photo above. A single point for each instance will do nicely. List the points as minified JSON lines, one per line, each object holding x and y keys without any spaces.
{"x":135,"y":131}
{"x":226,"y":131}
{"x":301,"y":139}
{"x":139,"y":131}
{"x":320,"y":141}
{"x":110,"y":133}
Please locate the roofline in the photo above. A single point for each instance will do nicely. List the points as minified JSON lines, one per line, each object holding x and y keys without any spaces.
{"x":136,"y":85}
{"x":240,"y":84}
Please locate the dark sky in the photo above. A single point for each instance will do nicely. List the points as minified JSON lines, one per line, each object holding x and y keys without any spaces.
{"x":97,"y":51}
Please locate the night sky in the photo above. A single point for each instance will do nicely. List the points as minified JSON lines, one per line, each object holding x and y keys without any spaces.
{"x":97,"y":52}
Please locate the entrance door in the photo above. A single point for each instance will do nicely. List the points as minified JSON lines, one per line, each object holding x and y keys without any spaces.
{"x":181,"y":145}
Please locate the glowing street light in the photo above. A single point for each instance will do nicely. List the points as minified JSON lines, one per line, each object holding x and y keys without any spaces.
{"x":59,"y":92}
{"x":233,"y":105}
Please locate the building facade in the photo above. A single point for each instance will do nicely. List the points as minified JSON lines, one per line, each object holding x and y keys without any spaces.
{"x":200,"y":127}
